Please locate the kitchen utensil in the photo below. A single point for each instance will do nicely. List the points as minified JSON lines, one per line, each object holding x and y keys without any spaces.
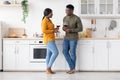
{"x":93,"y":24}
{"x":6,"y":2}
{"x":88,"y":32}
{"x":113,"y":24}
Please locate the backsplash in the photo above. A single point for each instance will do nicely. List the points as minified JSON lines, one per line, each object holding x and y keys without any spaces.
{"x":101,"y":26}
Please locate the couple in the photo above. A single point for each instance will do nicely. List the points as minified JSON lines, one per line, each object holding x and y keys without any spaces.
{"x":70,"y":40}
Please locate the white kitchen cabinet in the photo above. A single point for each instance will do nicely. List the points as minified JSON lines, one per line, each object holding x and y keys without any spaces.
{"x":101,"y":55}
{"x":114,"y":55}
{"x":99,"y":8}
{"x":85,"y":55}
{"x":0,"y":46}
{"x":9,"y":57}
{"x":118,"y":7}
{"x":22,"y":57}
{"x":15,"y":55}
{"x":60,"y":62}
{"x":87,"y":6}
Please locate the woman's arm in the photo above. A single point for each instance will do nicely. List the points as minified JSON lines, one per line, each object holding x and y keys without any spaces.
{"x":45,"y":29}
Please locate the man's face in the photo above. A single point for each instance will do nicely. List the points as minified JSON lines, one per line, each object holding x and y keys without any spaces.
{"x":69,"y":12}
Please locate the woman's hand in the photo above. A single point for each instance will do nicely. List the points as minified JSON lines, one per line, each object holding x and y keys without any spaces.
{"x":56,"y":30}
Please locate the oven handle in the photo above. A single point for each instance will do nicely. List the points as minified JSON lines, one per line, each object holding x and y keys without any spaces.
{"x":37,"y":46}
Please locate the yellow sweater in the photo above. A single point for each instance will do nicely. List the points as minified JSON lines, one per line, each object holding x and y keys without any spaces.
{"x":48,"y":30}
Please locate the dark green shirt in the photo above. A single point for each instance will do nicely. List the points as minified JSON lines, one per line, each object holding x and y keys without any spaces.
{"x":75,"y":24}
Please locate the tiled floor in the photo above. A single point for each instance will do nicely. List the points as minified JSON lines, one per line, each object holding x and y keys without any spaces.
{"x":60,"y":76}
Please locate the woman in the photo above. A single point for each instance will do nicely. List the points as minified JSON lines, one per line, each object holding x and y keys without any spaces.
{"x":49,"y":39}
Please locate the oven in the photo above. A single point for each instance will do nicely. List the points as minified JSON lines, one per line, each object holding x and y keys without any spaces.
{"x":37,"y":51}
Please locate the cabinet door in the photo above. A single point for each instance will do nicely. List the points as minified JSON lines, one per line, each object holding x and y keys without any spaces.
{"x":87,"y":6}
{"x":114,"y":55}
{"x":100,"y":55}
{"x":22,"y":57}
{"x":9,"y":57}
{"x":118,"y":7}
{"x":60,"y":60}
{"x":106,"y":6}
{"x":0,"y":47}
{"x":85,"y":55}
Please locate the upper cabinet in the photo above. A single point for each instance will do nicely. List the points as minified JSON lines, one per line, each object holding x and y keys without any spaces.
{"x":118,"y":6}
{"x":87,"y":6}
{"x":100,"y":8}
{"x":106,"y":7}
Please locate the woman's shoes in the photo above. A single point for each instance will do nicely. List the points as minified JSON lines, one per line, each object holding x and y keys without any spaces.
{"x":71,"y":71}
{"x":49,"y":71}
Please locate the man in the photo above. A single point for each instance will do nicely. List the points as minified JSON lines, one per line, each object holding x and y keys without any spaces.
{"x":71,"y":25}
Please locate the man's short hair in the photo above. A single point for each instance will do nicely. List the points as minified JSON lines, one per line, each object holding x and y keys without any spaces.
{"x":70,"y":6}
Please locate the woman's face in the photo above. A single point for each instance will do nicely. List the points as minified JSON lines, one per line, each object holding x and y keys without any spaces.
{"x":50,"y":15}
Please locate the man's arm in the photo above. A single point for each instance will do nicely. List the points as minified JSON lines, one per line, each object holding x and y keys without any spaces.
{"x":79,"y":26}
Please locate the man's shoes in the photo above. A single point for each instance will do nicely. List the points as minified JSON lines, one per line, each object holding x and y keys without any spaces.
{"x":71,"y":71}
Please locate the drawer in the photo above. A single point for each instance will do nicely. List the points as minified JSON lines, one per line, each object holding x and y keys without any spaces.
{"x":82,"y":42}
{"x":16,"y":42}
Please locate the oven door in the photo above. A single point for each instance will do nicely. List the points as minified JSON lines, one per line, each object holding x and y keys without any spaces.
{"x":37,"y":53}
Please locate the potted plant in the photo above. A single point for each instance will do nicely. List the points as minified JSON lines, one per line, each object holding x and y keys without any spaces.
{"x":24,"y":4}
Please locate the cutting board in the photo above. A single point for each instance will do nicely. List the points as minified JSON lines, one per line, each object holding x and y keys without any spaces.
{"x":16,"y":32}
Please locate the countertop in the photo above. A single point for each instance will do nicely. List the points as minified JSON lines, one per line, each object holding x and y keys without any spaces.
{"x":28,"y":38}
{"x":31,"y":38}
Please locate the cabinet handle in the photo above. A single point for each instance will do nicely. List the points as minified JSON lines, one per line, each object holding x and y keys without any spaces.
{"x":93,"y":50}
{"x":108,"y":44}
{"x":96,"y":11}
{"x":15,"y":50}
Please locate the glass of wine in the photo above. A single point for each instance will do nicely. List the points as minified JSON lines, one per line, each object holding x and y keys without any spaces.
{"x":58,"y":26}
{"x":65,"y":24}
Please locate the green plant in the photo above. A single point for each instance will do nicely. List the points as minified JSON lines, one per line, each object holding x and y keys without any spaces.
{"x":24,"y":4}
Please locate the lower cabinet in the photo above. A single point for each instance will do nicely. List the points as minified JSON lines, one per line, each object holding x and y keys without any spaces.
{"x":101,"y":55}
{"x":85,"y":52}
{"x":9,"y":57}
{"x":15,"y":55}
{"x":60,"y":62}
{"x":114,"y":55}
{"x":22,"y":57}
{"x":92,"y":55}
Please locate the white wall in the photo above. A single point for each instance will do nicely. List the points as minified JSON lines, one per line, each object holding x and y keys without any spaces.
{"x":11,"y":16}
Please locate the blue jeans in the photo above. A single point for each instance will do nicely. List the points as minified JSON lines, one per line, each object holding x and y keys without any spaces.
{"x":69,"y":51}
{"x":52,"y":53}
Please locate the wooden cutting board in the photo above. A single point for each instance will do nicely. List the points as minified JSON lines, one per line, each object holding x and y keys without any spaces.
{"x":16,"y":32}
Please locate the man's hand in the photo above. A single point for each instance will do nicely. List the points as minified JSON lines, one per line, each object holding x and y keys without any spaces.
{"x":68,"y":30}
{"x":64,"y":28}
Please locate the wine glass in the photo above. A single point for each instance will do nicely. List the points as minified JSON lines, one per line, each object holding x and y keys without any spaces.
{"x":65,"y":24}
